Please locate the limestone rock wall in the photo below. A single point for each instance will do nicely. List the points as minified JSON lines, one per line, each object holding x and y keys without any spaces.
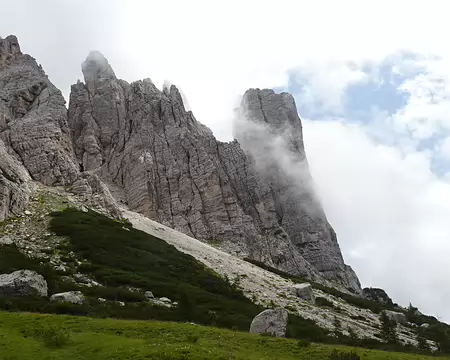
{"x":170,"y":168}
{"x":255,"y":194}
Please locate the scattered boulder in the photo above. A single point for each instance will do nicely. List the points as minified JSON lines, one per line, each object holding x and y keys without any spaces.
{"x":121,"y":303}
{"x":74,"y":297}
{"x":304,"y":291}
{"x":425,"y":326}
{"x":6,"y":240}
{"x":23,"y":283}
{"x":398,"y":317}
{"x":102,"y":300}
{"x":27,"y":212}
{"x":165,"y":300}
{"x":273,"y":321}
{"x":149,"y":295}
{"x":61,"y":268}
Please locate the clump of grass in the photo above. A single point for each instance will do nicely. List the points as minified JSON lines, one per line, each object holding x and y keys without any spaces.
{"x":303,"y":343}
{"x":54,"y":337}
{"x":192,"y":338}
{"x":267,"y":334}
{"x":344,"y":355}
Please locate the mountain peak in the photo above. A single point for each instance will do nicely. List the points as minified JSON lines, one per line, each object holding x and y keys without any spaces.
{"x":9,"y":45}
{"x":96,"y":68}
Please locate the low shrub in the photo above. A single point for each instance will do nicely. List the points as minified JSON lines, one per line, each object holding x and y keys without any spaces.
{"x":192,"y":338}
{"x":303,"y":343}
{"x":54,"y":337}
{"x":343,"y":355}
{"x":323,"y":302}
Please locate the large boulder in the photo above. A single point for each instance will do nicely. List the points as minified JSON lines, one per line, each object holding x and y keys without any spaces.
{"x":272,"y":321}
{"x":398,"y":317}
{"x":74,"y":297}
{"x":149,"y":295}
{"x":6,"y":240}
{"x":23,"y":283}
{"x":304,"y":291}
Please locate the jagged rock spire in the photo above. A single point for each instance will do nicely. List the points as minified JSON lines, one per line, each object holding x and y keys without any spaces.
{"x":96,"y":70}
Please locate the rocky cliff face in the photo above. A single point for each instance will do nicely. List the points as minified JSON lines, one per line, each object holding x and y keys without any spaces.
{"x":34,"y":118}
{"x":270,"y":132}
{"x":35,"y":141}
{"x":161,"y":162}
{"x":254,"y":194}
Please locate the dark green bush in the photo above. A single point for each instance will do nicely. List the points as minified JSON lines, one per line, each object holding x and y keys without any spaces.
{"x":388,"y":329}
{"x":114,"y":294}
{"x":303,"y":343}
{"x":343,"y":355}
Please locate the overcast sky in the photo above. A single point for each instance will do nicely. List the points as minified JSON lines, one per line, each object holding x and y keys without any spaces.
{"x":371,"y":83}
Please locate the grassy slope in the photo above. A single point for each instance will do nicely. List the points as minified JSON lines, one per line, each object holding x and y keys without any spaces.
{"x":93,"y":338}
{"x":117,"y":255}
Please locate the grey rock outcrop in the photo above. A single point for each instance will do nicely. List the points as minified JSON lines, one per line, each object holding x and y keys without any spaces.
{"x":35,"y":141}
{"x":33,"y":117}
{"x":6,"y":240}
{"x":270,"y":131}
{"x":74,"y":297}
{"x":396,"y":316}
{"x":158,"y":160}
{"x":23,"y":283}
{"x":304,"y":291}
{"x":378,"y":295}
{"x":270,"y":321}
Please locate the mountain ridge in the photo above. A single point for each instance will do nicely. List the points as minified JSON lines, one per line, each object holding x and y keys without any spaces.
{"x":160,"y":161}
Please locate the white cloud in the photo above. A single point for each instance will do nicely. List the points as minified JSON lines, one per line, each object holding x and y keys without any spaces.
{"x":389,"y":210}
{"x":324,"y":84}
{"x":444,"y":148}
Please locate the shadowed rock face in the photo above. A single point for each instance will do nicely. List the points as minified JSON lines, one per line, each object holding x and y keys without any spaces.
{"x":163,"y":163}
